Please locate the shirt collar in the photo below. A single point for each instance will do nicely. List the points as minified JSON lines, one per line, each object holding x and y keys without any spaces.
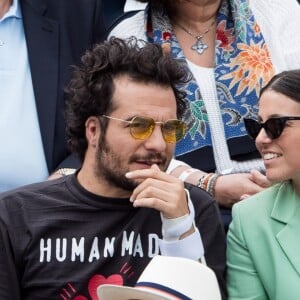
{"x":13,"y":12}
{"x":132,"y":5}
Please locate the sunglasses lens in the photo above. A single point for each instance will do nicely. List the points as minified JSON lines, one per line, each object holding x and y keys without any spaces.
{"x":173,"y":130}
{"x":141,"y":127}
{"x":274,"y":127}
{"x":253,"y":127}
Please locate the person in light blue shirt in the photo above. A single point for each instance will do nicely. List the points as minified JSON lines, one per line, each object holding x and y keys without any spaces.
{"x":19,"y":127}
{"x":39,"y":41}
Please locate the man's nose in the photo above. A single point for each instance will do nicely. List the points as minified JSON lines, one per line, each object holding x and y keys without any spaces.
{"x":156,"y":141}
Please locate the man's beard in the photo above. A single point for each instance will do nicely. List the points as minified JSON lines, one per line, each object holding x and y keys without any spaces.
{"x":111,"y":168}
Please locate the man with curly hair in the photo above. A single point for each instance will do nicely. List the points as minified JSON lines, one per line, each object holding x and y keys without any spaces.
{"x":61,"y":239}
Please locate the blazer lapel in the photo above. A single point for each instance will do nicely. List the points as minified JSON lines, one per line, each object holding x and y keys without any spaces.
{"x":287,"y":211}
{"x":42,"y":37}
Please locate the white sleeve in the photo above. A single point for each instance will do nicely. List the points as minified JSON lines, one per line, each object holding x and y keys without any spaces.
{"x":280,"y":25}
{"x":188,"y":247}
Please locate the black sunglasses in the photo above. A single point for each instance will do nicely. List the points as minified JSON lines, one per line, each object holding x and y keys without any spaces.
{"x":273,"y":126}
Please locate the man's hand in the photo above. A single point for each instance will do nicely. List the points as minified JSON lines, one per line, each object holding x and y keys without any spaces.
{"x":160,"y":191}
{"x":231,"y":188}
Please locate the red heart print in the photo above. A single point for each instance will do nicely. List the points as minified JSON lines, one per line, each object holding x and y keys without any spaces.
{"x":97,"y":280}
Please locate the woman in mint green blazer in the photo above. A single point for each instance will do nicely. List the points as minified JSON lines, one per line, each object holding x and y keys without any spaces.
{"x":264,"y":236}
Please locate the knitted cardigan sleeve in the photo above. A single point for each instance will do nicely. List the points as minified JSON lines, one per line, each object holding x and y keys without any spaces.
{"x":280,"y":24}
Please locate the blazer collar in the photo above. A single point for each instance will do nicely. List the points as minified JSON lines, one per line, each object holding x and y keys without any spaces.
{"x":39,"y":7}
{"x":286,"y":210}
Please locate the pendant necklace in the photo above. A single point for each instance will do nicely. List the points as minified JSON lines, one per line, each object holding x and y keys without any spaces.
{"x":199,"y":46}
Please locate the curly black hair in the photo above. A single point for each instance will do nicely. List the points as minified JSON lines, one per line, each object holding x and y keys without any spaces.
{"x":91,"y":88}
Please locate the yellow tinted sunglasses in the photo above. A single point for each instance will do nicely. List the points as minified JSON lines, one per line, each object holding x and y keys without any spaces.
{"x":141,"y":128}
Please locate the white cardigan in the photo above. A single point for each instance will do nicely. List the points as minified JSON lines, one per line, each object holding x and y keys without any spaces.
{"x":280,"y":25}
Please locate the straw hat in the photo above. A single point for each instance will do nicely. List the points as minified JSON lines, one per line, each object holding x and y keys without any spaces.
{"x":167,"y":278}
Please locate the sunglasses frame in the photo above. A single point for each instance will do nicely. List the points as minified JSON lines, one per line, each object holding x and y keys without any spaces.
{"x":151,"y":128}
{"x":279,"y":124}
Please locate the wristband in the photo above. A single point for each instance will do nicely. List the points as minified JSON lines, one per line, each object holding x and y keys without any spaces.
{"x":203,"y":181}
{"x":172,"y":229}
{"x":185,"y":174}
{"x":210,"y":188}
{"x":190,"y":247}
{"x":175,"y":164}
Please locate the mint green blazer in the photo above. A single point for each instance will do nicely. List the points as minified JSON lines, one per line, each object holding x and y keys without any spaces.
{"x":263,"y":254}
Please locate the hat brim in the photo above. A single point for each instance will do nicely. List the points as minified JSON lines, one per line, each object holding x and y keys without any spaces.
{"x":118,"y":292}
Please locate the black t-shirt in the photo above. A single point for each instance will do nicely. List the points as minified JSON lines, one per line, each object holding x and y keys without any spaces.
{"x":58,"y":241}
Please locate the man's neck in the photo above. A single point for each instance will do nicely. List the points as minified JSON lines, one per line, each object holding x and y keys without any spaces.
{"x":4,"y":7}
{"x":89,"y":181}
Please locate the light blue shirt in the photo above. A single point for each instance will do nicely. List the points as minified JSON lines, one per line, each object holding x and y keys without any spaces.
{"x":22,"y":158}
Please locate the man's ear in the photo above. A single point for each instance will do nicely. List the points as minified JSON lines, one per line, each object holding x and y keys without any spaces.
{"x":92,"y":131}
